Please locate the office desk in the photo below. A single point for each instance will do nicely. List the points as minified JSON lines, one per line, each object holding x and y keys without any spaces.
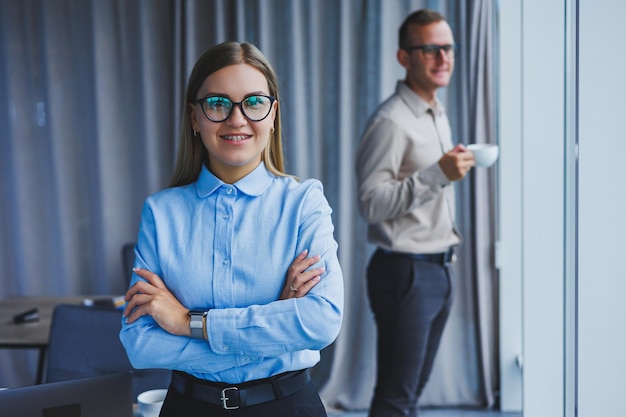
{"x":30,"y":335}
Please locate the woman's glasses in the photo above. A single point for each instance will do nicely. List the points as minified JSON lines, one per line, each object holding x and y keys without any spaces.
{"x":219,"y":108}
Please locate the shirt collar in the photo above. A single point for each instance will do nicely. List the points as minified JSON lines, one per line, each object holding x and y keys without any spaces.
{"x":253,"y":184}
{"x":415,"y":102}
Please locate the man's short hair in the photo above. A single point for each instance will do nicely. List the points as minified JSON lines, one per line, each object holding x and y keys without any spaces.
{"x":421,"y":17}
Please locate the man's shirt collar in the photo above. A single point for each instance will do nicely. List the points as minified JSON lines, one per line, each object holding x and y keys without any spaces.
{"x":417,"y":104}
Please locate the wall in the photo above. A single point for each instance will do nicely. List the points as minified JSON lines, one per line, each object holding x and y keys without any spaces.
{"x":532,"y":205}
{"x":602,"y":206}
{"x":561,"y":105}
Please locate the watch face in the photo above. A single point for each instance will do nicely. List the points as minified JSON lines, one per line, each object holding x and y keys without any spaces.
{"x":196,"y":325}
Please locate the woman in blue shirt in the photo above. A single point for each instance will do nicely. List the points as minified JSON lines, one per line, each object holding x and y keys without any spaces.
{"x":215,"y":295}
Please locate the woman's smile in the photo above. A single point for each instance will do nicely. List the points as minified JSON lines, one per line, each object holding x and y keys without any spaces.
{"x":238,"y":137}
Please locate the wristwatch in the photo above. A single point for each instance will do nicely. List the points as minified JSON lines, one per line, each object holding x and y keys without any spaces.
{"x":197,"y":324}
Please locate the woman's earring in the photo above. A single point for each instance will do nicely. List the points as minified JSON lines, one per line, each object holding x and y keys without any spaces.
{"x":195,"y":133}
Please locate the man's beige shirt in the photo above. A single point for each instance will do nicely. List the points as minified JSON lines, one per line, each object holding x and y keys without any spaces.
{"x":404,"y":196}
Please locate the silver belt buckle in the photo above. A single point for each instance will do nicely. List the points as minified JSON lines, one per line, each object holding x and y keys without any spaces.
{"x":225,"y":398}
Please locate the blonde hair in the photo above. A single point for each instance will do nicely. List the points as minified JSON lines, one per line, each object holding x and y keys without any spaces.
{"x":192,"y":154}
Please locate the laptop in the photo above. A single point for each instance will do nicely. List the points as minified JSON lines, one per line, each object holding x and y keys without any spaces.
{"x":99,"y":396}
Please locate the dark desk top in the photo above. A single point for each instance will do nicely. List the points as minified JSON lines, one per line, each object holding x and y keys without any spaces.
{"x":30,"y":334}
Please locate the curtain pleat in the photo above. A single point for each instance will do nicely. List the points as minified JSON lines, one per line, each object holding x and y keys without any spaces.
{"x":90,"y":104}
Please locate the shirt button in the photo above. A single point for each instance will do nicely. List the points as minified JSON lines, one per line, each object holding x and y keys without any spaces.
{"x":229,"y":191}
{"x":224,"y":216}
{"x":225,"y":262}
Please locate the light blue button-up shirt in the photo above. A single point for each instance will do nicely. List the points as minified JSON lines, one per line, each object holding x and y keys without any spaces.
{"x":226,"y":248}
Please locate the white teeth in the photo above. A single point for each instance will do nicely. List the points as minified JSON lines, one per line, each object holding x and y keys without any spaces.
{"x":235,"y":138}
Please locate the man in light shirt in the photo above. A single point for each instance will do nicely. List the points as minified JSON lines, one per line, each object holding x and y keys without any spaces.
{"x":406,"y":166}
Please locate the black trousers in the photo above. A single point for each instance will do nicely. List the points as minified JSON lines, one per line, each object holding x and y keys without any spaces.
{"x":304,"y":403}
{"x":411,"y":301}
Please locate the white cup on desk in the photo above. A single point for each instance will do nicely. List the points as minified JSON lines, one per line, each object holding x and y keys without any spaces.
{"x":150,"y":402}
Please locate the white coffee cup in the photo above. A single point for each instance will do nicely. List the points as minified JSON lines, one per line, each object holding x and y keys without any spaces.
{"x":150,"y":402}
{"x":485,"y":154}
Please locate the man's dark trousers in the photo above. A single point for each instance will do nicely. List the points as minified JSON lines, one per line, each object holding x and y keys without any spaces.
{"x":411,"y":301}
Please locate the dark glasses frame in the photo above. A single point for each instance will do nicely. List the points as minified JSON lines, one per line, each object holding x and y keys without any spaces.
{"x":203,"y":100}
{"x":432,"y":50}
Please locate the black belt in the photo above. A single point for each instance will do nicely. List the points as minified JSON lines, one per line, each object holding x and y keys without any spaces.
{"x":442,"y":258}
{"x":231,"y":397}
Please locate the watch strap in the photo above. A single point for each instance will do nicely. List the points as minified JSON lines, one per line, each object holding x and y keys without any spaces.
{"x":197,"y":324}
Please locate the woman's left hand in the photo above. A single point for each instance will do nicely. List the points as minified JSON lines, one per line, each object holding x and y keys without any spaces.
{"x":155,"y":299}
{"x":300,"y":281}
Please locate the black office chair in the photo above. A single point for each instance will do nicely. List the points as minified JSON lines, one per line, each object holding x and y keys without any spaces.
{"x":128,"y":260}
{"x":84,"y":341}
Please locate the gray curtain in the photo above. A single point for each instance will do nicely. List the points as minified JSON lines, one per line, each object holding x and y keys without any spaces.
{"x":90,"y":99}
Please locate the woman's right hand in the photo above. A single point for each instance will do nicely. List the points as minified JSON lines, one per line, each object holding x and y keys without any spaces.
{"x":300,"y":281}
{"x":152,"y":297}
